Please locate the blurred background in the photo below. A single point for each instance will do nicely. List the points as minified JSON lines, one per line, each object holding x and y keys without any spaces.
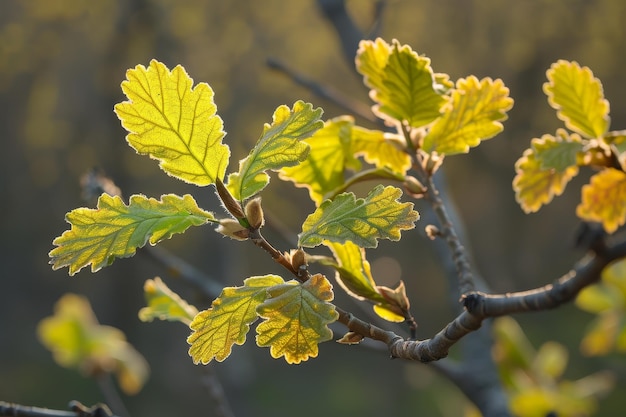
{"x":61,"y":65}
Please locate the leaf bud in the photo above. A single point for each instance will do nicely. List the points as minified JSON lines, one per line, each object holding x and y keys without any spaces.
{"x":414,"y":186}
{"x":350,"y":338}
{"x":396,"y":296}
{"x":432,"y":231}
{"x":432,"y":162}
{"x":232,"y":229}
{"x":228,"y":200}
{"x":298,"y":260}
{"x":254,"y":213}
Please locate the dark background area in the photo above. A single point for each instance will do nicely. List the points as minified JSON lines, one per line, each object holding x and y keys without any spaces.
{"x":61,"y":65}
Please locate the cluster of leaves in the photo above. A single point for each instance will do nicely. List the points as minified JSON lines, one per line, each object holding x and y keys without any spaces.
{"x":177,"y":124}
{"x":553,"y":160}
{"x":607,"y":333}
{"x":77,"y":340}
{"x":534,"y":377}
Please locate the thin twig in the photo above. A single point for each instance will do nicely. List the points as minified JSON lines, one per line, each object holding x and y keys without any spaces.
{"x":77,"y":410}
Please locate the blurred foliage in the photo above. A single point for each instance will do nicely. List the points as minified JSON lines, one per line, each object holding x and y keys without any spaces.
{"x":77,"y":340}
{"x":61,"y":63}
{"x":607,"y":333}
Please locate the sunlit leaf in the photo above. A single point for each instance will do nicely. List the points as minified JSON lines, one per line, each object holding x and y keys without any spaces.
{"x":402,"y":82}
{"x":173,"y":123}
{"x":473,"y":114}
{"x":165,"y":304}
{"x":558,"y":152}
{"x":600,"y":337}
{"x":604,"y":199}
{"x":334,"y":149}
{"x":115,"y":229}
{"x":533,"y":184}
{"x":296,"y":319}
{"x":353,"y":270}
{"x":578,"y":98}
{"x":596,"y":299}
{"x":280,"y":146}
{"x":363,"y":221}
{"x":77,"y":340}
{"x":228,"y":320}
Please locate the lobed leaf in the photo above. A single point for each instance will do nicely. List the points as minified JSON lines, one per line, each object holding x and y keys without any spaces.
{"x":334,"y":149}
{"x":473,"y":114}
{"x":114,"y":229}
{"x":280,"y":146}
{"x":362,"y":221}
{"x":173,"y":123}
{"x":165,"y":304}
{"x":402,"y":82}
{"x":296,"y":319}
{"x":604,"y":199}
{"x":77,"y":340}
{"x":578,"y":98}
{"x":228,"y":320}
{"x":535,"y":184}
{"x":558,"y":152}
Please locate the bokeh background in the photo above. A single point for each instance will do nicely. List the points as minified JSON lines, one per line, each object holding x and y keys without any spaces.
{"x":61,"y":65}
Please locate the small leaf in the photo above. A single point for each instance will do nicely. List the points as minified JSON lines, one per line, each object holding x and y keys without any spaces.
{"x":578,"y":98}
{"x":617,"y":143}
{"x":117,"y":230}
{"x":604,"y":199}
{"x":534,"y":185}
{"x":558,"y":152}
{"x":353,"y":271}
{"x":597,"y":299}
{"x":334,"y":149}
{"x":173,"y":123}
{"x":473,"y":114}
{"x":551,"y":360}
{"x":165,"y":304}
{"x":77,"y":340}
{"x":402,"y":82}
{"x":362,"y":221}
{"x":280,"y":146}
{"x":296,"y":319}
{"x":228,"y":320}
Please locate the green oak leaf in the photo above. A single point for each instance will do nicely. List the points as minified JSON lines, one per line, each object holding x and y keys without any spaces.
{"x":228,"y":320}
{"x":578,"y":98}
{"x":533,"y":184}
{"x":362,"y":221}
{"x":296,"y":319}
{"x":334,"y":149}
{"x":558,"y":152}
{"x":280,"y":146}
{"x":165,"y":304}
{"x":402,"y":83}
{"x":173,"y":123}
{"x":114,"y":229}
{"x":473,"y":114}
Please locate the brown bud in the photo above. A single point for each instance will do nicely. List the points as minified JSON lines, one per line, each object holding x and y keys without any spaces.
{"x":232,"y":229}
{"x":350,"y":338}
{"x":254,"y":213}
{"x":432,"y":162}
{"x":413,"y":186}
{"x":396,"y":296}
{"x":298,"y":260}
{"x":228,"y":200}
{"x":432,"y":231}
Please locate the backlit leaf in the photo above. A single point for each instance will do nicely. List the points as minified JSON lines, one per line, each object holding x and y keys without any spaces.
{"x":296,"y":319}
{"x":280,"y":146}
{"x":473,"y":114}
{"x":578,"y":98}
{"x":362,"y":221}
{"x":558,"y":152}
{"x":173,"y":123}
{"x":334,"y":149}
{"x":165,"y":304}
{"x":402,"y":82}
{"x":533,"y":184}
{"x":353,"y":271}
{"x":604,"y":199}
{"x":115,"y":229}
{"x":228,"y":320}
{"x":77,"y":340}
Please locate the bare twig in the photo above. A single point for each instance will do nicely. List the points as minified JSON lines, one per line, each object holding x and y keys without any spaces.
{"x":77,"y":410}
